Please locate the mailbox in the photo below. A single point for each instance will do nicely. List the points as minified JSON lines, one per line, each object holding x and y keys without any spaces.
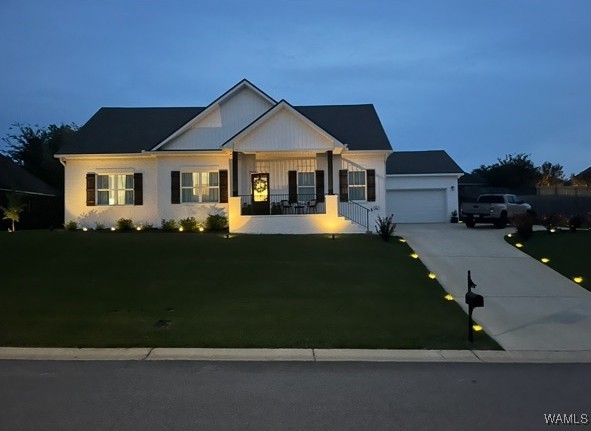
{"x":474,"y":300}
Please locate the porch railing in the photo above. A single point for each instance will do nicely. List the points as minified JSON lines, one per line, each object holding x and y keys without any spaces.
{"x":280,"y":204}
{"x":355,"y":212}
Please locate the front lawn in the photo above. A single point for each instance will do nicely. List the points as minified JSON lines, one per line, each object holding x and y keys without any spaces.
{"x":569,"y":253}
{"x":202,"y":290}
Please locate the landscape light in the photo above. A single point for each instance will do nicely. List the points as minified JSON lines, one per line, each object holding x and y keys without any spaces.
{"x":448,"y":297}
{"x":113,"y":228}
{"x":414,"y":256}
{"x":545,"y":260}
{"x":181,"y":229}
{"x":201,"y":229}
{"x":552,"y":230}
{"x":138,"y":228}
{"x":578,"y":279}
{"x":432,"y":276}
{"x":518,"y":245}
{"x":227,"y":236}
{"x":401,"y":240}
{"x":85,"y":229}
{"x":477,"y":328}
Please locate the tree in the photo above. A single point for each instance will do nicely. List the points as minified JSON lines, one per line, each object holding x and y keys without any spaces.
{"x":12,"y":210}
{"x":551,"y":174}
{"x":515,"y":171}
{"x":33,"y":149}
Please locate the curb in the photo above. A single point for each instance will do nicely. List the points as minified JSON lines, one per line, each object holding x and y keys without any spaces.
{"x":291,"y":355}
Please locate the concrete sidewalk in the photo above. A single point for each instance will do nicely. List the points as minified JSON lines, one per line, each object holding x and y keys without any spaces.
{"x":527,"y":305}
{"x":299,"y":355}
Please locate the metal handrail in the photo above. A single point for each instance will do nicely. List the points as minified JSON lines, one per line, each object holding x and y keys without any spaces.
{"x":355,"y":212}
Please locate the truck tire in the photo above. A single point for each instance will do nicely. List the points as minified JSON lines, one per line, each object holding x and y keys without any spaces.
{"x":470,"y":223}
{"x":502,"y":222}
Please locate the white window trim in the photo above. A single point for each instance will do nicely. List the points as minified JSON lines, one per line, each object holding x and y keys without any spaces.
{"x":357,"y":186}
{"x":198,"y":187}
{"x":115,"y":190}
{"x":313,"y":183}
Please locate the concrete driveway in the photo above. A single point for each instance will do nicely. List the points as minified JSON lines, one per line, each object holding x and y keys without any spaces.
{"x":527,"y":305}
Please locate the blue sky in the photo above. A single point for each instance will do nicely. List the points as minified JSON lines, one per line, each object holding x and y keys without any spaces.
{"x":477,"y":78}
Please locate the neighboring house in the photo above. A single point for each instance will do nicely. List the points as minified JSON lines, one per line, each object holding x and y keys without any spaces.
{"x":422,"y":186}
{"x":43,"y":207}
{"x":269,"y":166}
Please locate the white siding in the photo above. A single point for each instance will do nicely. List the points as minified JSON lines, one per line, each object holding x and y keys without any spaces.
{"x":284,"y":131}
{"x":223,"y":122}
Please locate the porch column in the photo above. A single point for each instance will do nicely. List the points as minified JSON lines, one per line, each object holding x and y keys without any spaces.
{"x":234,"y":173}
{"x":330,"y":182}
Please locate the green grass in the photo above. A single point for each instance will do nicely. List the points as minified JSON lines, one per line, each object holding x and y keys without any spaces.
{"x":569,"y":252}
{"x":109,"y":289}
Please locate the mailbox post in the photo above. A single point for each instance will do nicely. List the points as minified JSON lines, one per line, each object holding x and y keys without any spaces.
{"x":473,"y":300}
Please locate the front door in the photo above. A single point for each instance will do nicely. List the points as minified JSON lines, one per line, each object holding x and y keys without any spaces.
{"x":260,"y":194}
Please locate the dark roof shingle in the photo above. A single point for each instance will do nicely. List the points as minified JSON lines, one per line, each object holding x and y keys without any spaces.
{"x":421,"y":162}
{"x":15,"y":178}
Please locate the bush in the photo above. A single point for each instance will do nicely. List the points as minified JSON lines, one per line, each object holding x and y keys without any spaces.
{"x":147,"y":226}
{"x":524,"y":224}
{"x":188,"y":224}
{"x":385,"y":227}
{"x":216,"y":222}
{"x":71,"y":225}
{"x":575,"y":222}
{"x":124,"y":224}
{"x":99,"y":226}
{"x":169,"y":225}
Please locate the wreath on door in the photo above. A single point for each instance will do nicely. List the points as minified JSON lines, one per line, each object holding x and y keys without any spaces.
{"x":260,"y":185}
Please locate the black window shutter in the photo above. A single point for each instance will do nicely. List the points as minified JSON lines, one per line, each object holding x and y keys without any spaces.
{"x":319,"y":186}
{"x":344,"y":185}
{"x":292,"y":181}
{"x":175,"y":187}
{"x":371,"y":185}
{"x":138,"y":188}
{"x":224,"y":186}
{"x":90,"y":190}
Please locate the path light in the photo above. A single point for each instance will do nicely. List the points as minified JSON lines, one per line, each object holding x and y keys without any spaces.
{"x":510,"y":235}
{"x":545,"y":260}
{"x":552,"y":230}
{"x":432,"y":276}
{"x":201,"y":229}
{"x":113,"y":229}
{"x":333,"y":237}
{"x":477,"y":328}
{"x":578,"y":279}
{"x":181,"y":229}
{"x":138,"y":228}
{"x":85,"y":229}
{"x":414,"y":256}
{"x":448,"y":297}
{"x":518,"y":245}
{"x":401,"y":240}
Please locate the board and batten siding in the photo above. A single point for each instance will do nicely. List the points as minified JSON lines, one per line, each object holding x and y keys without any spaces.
{"x":224,"y":121}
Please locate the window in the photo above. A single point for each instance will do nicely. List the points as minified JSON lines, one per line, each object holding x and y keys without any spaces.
{"x":200,"y":187}
{"x":114,"y":189}
{"x":357,"y":185}
{"x":306,"y":186}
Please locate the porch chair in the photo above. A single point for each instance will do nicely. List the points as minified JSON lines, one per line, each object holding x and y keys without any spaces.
{"x":311,"y":206}
{"x":285,"y":206}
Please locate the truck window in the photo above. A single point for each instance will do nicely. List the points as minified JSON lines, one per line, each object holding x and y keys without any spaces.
{"x":490,"y":199}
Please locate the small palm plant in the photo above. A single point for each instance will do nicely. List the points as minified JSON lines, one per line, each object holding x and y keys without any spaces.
{"x":12,"y":210}
{"x":385,"y":227}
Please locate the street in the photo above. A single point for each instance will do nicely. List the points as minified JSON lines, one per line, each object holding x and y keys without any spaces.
{"x":193,"y":395}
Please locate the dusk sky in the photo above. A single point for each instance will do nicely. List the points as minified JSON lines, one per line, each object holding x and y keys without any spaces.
{"x":479,"y":79}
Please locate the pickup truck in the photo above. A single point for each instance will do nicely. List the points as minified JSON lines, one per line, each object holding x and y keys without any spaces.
{"x":496,"y":209}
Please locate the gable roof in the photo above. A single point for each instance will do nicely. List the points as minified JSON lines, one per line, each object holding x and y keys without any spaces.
{"x":584,"y":174}
{"x":127,"y":130}
{"x":421,"y":162}
{"x":14,"y":178}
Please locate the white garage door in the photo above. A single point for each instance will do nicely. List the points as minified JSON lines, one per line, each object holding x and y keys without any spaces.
{"x":417,"y":206}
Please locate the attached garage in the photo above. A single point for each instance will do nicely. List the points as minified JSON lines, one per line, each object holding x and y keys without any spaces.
{"x":417,"y":206}
{"x":421,"y":186}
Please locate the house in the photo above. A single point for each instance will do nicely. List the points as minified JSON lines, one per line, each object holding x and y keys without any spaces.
{"x":271,"y":167}
{"x":422,"y":186}
{"x":42,"y":205}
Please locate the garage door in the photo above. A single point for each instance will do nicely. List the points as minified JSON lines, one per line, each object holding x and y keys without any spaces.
{"x":417,"y":206}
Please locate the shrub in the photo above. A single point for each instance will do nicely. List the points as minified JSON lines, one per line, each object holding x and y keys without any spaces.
{"x":169,"y":225}
{"x":147,"y":226}
{"x":124,"y":224}
{"x":188,"y":224}
{"x":99,"y":226}
{"x":71,"y":225}
{"x":385,"y":227}
{"x":524,"y":224}
{"x":575,"y":222}
{"x":216,"y":222}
